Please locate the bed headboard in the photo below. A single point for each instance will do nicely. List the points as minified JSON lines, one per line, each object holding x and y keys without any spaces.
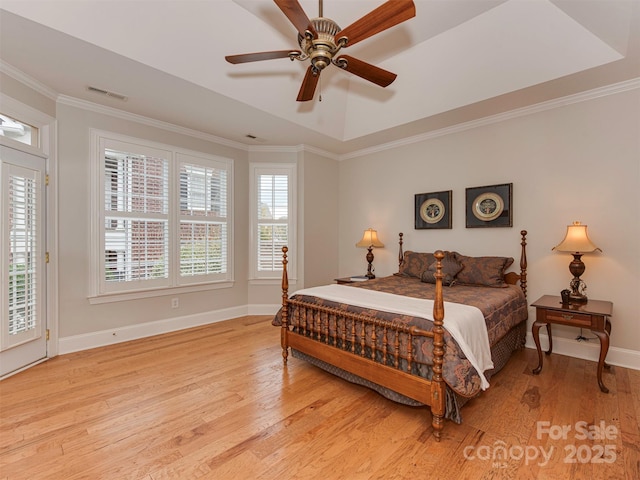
{"x":512,"y":278}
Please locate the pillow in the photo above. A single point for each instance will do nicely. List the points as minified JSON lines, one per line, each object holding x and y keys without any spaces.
{"x":485,"y":271}
{"x":450,"y":267}
{"x":415,"y":263}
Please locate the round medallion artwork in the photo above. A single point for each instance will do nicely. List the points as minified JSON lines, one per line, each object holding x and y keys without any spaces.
{"x":488,"y":206}
{"x":432,"y":210}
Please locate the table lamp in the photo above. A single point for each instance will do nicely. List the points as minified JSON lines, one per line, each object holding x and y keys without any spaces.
{"x":369,"y":241}
{"x":577,"y":242}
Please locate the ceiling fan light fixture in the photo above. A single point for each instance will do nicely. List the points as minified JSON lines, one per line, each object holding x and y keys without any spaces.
{"x":320,"y":58}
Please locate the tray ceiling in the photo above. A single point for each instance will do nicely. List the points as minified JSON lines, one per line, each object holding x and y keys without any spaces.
{"x":456,"y":61}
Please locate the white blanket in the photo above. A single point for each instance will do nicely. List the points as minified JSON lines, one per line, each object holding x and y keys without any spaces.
{"x":465,"y":323}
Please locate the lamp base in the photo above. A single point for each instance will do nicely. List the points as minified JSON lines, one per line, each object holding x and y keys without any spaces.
{"x":578,"y":288}
{"x":577,"y":298}
{"x":369,"y":257}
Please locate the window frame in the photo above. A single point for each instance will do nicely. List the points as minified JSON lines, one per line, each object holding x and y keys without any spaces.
{"x":102,"y":291}
{"x":255,"y":170}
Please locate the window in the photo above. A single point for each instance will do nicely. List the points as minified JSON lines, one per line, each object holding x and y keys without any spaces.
{"x":22,"y":244}
{"x":164,"y":216}
{"x":203,"y":220}
{"x":17,"y":130}
{"x":273,"y":215}
{"x":136,"y":216}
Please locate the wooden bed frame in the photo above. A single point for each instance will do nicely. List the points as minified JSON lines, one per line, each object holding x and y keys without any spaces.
{"x":314,"y":341}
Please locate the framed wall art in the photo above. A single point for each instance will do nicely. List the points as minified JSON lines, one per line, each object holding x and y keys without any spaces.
{"x":489,"y":206}
{"x":433,"y":210}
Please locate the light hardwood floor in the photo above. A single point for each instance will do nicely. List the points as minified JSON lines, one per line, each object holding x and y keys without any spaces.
{"x":216,"y":402}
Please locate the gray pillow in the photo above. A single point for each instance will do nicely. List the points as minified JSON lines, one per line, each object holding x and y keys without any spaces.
{"x":450,"y":268}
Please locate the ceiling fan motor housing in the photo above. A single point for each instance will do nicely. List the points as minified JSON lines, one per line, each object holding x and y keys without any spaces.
{"x":322,"y":49}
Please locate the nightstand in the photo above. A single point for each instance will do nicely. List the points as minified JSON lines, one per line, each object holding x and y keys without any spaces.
{"x":593,"y":315}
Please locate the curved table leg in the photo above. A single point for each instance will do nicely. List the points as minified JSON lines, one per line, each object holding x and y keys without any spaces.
{"x":548,"y":352}
{"x":536,"y":338}
{"x":607,"y":327}
{"x":604,"y":348}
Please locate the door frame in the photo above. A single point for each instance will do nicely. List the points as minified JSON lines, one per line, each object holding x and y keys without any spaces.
{"x":47,"y":148}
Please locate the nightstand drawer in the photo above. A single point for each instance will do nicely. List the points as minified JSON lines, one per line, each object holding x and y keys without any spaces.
{"x":568,"y":318}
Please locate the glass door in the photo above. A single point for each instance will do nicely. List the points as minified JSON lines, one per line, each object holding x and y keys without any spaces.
{"x":22,"y":260}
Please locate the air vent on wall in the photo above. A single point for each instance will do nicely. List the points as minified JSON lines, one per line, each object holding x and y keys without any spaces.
{"x":107,"y":93}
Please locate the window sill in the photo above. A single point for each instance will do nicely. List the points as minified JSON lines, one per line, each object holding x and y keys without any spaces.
{"x":139,"y":295}
{"x":270,"y":281}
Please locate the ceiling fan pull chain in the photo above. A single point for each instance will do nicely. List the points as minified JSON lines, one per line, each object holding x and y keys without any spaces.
{"x":320,"y":91}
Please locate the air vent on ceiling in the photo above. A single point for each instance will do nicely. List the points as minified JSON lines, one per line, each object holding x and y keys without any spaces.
{"x":254,"y":138}
{"x":107,"y":93}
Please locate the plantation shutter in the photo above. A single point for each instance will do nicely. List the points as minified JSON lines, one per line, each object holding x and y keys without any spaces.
{"x":273,"y":220}
{"x":23,"y":244}
{"x":136,"y":217}
{"x":203,"y":229}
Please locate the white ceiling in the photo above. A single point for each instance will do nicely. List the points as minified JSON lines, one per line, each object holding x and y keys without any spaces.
{"x":457,"y":61}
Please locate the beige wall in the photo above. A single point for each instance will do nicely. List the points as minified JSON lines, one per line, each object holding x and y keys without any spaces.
{"x":320,"y":216}
{"x":577,"y":162}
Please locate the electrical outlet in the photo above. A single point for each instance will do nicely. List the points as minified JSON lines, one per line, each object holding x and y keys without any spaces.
{"x":175,"y":302}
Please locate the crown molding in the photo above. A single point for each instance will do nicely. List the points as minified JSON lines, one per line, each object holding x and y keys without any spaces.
{"x":274,"y":148}
{"x":319,"y":151}
{"x":25,"y":79}
{"x":134,"y":117}
{"x":294,"y":149}
{"x":501,"y":117}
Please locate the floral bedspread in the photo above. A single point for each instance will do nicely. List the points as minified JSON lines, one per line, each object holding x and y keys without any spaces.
{"x":503,"y":308}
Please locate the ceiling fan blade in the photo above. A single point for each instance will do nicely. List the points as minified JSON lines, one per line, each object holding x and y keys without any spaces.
{"x":385,"y":16}
{"x":308,"y":87}
{"x":367,"y":71}
{"x":294,"y":12}
{"x":258,"y":56}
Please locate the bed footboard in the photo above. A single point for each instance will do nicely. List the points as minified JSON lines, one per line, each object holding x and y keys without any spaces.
{"x":367,"y":346}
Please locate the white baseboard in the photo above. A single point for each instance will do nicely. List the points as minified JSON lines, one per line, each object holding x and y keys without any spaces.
{"x":86,"y":341}
{"x":588,"y":350}
{"x":563,"y":346}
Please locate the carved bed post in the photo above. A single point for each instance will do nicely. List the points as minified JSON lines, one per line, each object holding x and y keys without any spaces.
{"x":400,"y":252}
{"x":437,"y":384}
{"x":285,"y":307}
{"x":523,"y":263}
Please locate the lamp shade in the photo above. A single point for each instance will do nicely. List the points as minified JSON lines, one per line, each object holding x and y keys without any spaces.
{"x":576,"y":240}
{"x":370,"y":239}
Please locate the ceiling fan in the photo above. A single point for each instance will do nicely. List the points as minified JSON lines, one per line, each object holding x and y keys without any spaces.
{"x":321,"y":39}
